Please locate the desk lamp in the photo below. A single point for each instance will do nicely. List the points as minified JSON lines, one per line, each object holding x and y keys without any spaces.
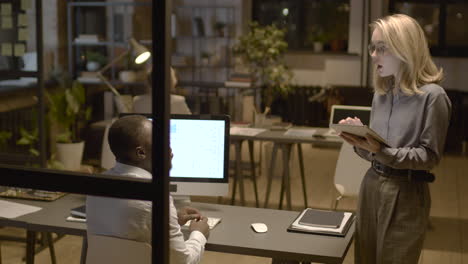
{"x":141,"y":55}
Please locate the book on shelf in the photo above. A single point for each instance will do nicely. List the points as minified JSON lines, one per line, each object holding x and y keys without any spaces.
{"x":180,"y":60}
{"x":87,"y":38}
{"x":88,"y":74}
{"x":89,"y":79}
{"x":240,"y":77}
{"x":237,"y":84}
{"x":322,"y":222}
{"x":199,"y":27}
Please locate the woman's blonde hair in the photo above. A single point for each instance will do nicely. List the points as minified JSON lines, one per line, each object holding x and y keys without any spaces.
{"x":405,"y":39}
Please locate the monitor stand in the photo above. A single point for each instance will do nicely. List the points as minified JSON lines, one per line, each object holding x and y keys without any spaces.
{"x":181,"y":201}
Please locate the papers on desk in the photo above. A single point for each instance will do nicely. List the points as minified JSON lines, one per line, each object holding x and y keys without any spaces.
{"x":341,"y":230}
{"x":246,"y":131}
{"x":13,"y":210}
{"x":302,"y":132}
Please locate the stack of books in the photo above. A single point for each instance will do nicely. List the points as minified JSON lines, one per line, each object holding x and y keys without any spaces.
{"x":239,"y":80}
{"x":87,"y":38}
{"x":77,"y":214}
{"x":180,"y":60}
{"x":322,"y":222}
{"x":88,"y":77}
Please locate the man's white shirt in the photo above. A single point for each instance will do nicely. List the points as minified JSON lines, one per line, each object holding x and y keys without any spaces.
{"x":131,"y":219}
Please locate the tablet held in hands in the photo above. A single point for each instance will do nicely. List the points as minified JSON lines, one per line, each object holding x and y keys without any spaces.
{"x":358,"y":130}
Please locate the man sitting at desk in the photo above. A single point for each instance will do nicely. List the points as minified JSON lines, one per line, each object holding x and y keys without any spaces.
{"x":130,"y":140}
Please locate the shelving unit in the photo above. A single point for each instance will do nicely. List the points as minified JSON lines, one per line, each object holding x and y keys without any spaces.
{"x":23,"y":106}
{"x":109,"y":22}
{"x":195,"y":35}
{"x":203,"y":37}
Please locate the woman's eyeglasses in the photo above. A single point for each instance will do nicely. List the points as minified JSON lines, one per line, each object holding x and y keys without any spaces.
{"x":380,"y":49}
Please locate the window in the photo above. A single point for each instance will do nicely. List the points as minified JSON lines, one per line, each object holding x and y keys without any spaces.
{"x":307,"y":21}
{"x":444,"y":23}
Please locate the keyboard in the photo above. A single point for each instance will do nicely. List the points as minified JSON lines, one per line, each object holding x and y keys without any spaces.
{"x":212,"y":222}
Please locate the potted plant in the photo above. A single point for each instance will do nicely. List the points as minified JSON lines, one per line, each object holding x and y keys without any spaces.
{"x":68,"y":110}
{"x":262,"y":50}
{"x":337,"y":28}
{"x":30,"y":139}
{"x":95,"y":60}
{"x":205,"y":58}
{"x":316,"y":39}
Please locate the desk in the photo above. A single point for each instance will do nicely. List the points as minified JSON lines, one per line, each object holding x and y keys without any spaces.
{"x":50,"y":219}
{"x":284,"y":143}
{"x":232,"y":235}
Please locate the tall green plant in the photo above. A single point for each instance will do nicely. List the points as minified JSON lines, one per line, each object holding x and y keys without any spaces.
{"x":67,"y":108}
{"x":262,"y":50}
{"x":31,"y":139}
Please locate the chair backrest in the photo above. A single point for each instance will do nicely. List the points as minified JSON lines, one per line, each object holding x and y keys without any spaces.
{"x":107,"y":157}
{"x":142,"y":104}
{"x":105,"y":249}
{"x":349,"y":171}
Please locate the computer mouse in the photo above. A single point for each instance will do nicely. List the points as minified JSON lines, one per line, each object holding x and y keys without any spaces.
{"x":259,"y":227}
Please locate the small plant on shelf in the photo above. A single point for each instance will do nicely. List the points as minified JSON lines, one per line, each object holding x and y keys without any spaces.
{"x":95,"y":60}
{"x":31,"y":139}
{"x":205,"y":58}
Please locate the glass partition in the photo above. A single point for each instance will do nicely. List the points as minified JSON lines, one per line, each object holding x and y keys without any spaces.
{"x":45,"y":108}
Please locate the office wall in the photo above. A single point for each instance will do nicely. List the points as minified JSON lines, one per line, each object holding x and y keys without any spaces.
{"x":309,"y":68}
{"x":321,"y":69}
{"x":333,"y":69}
{"x":455,"y":73}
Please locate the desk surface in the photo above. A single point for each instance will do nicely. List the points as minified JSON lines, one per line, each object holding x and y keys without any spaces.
{"x":52,"y":217}
{"x":280,"y":137}
{"x":232,"y":235}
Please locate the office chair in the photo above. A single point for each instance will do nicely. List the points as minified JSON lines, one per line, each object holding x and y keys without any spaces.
{"x":105,"y":249}
{"x":349,"y":171}
{"x":142,"y":104}
{"x":107,"y":157}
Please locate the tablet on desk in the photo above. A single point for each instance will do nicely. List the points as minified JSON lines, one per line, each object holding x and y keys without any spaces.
{"x":357,"y":130}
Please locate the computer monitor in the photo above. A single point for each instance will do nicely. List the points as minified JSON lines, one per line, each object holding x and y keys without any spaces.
{"x":200,"y":144}
{"x":339,"y":112}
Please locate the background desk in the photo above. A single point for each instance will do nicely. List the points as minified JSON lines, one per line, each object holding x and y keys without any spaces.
{"x":232,"y":235}
{"x":285,"y":144}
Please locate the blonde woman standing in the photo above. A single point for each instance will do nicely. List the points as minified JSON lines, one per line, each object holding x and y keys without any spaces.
{"x":412,"y":112}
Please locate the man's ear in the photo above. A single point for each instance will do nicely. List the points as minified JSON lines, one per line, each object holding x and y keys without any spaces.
{"x":140,"y":153}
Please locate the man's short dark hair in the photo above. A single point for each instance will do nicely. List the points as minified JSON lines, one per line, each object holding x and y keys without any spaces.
{"x":126,"y":134}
